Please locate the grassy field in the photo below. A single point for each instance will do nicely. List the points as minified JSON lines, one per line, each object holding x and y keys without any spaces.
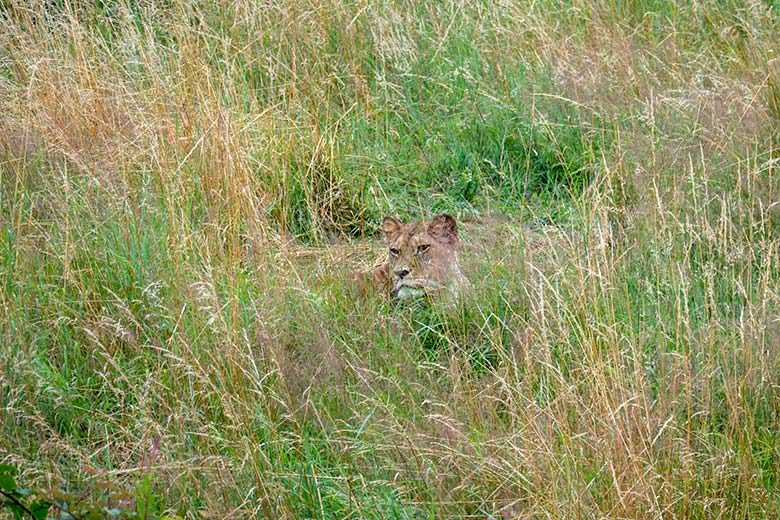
{"x":185,"y":185}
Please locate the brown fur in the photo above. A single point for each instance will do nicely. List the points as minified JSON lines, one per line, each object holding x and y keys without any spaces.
{"x":365,"y":284}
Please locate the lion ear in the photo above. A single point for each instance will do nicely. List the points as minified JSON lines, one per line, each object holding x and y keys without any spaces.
{"x":444,"y":229}
{"x":390,"y":228}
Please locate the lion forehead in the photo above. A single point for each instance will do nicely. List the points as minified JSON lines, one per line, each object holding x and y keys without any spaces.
{"x":400,"y":242}
{"x":410,"y":237}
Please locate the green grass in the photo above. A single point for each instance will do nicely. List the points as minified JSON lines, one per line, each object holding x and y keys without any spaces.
{"x":184,"y":188}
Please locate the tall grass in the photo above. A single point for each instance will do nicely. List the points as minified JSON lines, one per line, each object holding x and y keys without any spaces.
{"x":184,"y":186}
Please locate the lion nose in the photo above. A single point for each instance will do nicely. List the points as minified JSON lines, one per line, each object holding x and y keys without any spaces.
{"x":401,"y":273}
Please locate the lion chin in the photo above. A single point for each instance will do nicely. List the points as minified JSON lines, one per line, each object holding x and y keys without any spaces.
{"x":407,"y":292}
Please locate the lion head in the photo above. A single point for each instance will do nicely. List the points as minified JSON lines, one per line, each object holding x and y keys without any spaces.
{"x":422,"y":259}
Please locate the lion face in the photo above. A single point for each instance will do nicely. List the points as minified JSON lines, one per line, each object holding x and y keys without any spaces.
{"x":422,"y":259}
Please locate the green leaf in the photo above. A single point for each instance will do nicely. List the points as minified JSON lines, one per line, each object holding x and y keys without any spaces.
{"x":7,"y":483}
{"x":16,"y":509}
{"x":40,"y":509}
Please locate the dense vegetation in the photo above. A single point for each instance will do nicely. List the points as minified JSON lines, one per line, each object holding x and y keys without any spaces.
{"x":183,"y":186}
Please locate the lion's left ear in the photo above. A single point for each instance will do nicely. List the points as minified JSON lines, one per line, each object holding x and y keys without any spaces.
{"x":444,"y":229}
{"x":390,"y":228}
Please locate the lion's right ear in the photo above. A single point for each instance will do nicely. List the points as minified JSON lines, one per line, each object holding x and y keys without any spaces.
{"x":444,"y":229}
{"x":390,"y":228}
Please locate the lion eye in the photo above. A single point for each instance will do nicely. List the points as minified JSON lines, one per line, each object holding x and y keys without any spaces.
{"x":423,"y":248}
{"x":394,"y":251}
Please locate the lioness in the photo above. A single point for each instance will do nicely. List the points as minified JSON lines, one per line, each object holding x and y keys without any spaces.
{"x":421,"y":260}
